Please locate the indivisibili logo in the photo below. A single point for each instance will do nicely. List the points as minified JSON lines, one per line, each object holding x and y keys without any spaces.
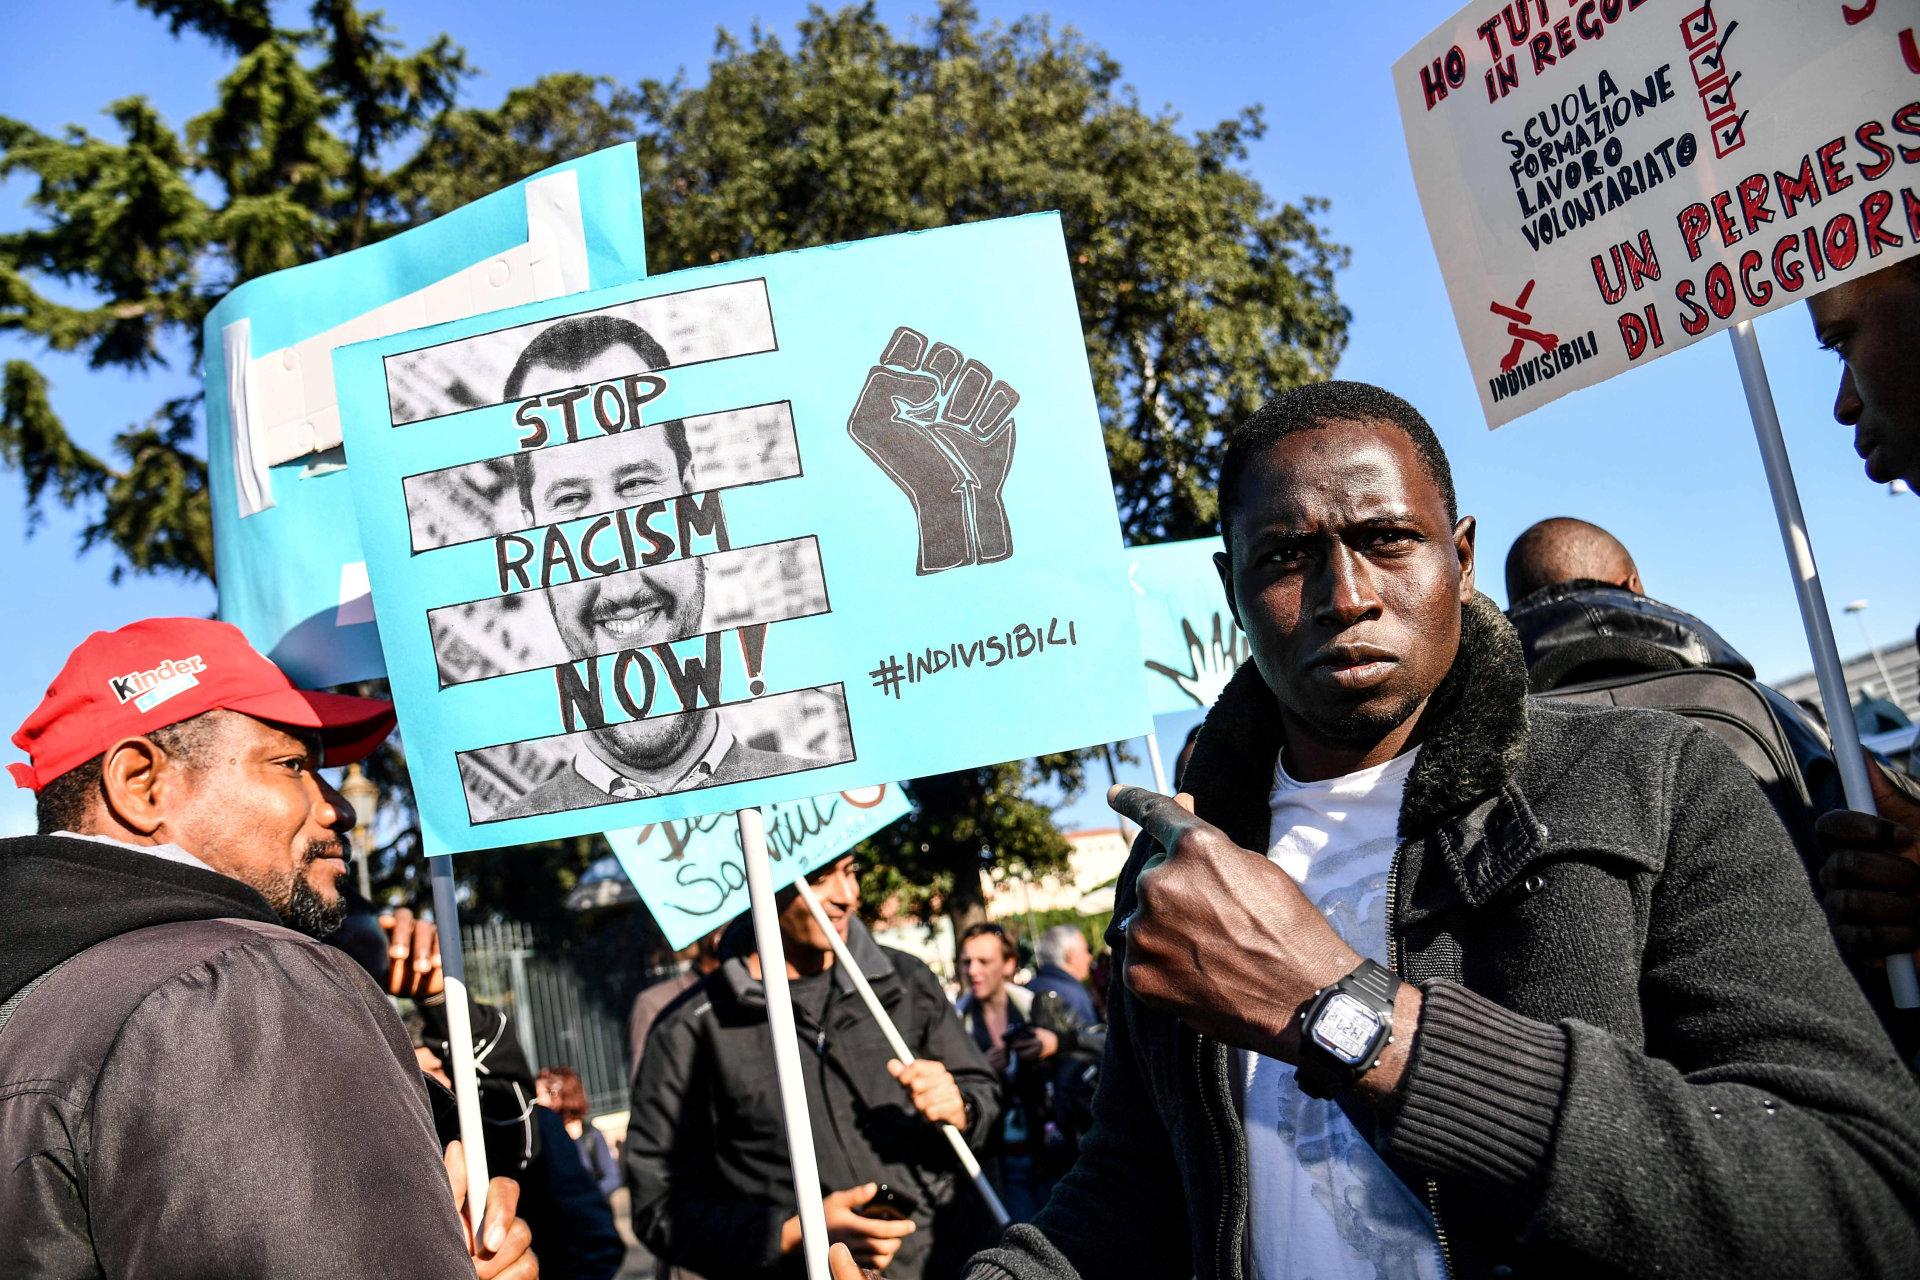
{"x":148,"y":689}
{"x":1519,"y":371}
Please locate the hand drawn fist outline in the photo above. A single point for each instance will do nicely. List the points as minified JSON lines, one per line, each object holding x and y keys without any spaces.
{"x":1213,"y":662}
{"x":941,"y":427}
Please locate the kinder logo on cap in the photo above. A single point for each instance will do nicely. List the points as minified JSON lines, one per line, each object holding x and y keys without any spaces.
{"x":148,"y":689}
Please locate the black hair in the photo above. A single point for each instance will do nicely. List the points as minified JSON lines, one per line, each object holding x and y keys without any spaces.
{"x":573,"y":344}
{"x":1316,"y":405}
{"x":63,"y":804}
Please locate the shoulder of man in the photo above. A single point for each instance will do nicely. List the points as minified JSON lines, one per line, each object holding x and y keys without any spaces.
{"x":913,"y":973}
{"x":742,"y":763}
{"x":1575,"y":738}
{"x":98,"y":990}
{"x":690,"y":1007}
{"x":564,"y":790}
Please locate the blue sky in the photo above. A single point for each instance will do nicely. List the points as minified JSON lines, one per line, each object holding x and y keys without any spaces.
{"x":1664,"y":456}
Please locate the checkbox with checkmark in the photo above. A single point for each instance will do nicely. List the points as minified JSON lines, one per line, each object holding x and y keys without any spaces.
{"x":1700,"y":27}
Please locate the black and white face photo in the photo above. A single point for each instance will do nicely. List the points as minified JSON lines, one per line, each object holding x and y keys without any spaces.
{"x":608,"y":612}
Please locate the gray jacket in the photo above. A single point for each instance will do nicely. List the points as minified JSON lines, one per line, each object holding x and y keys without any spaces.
{"x":205,"y":1094}
{"x":1639,"y":1053}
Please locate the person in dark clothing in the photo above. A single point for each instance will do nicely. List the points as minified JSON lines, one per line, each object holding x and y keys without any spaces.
{"x":1582,"y":614}
{"x":1062,"y":964}
{"x":191,"y":1085}
{"x":567,"y":1209}
{"x":401,"y":952}
{"x":1576,"y":601}
{"x":702,"y":958}
{"x":1020,"y":1034}
{"x":561,"y":1091}
{"x":706,"y":1152}
{"x":1575,"y":1013}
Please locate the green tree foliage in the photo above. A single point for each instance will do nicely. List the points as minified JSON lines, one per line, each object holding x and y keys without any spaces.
{"x":1199,"y":295}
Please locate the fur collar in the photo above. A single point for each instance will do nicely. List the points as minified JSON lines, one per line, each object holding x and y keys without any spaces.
{"x":1474,"y":742}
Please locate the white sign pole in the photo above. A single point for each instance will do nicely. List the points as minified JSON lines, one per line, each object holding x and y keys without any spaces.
{"x":1160,"y":781}
{"x":844,"y":958}
{"x":786,"y":1045}
{"x":1813,"y":609}
{"x":466,"y":1085}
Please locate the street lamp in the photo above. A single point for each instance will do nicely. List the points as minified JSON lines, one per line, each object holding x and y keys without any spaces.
{"x":1859,"y":611}
{"x":364,"y":795}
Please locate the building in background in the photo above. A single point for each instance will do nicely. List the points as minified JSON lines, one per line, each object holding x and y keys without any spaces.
{"x":1868,"y":678}
{"x":1097,"y":857}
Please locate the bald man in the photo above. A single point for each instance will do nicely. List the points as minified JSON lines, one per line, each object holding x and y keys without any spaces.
{"x":1583,"y":615}
{"x":1575,"y":596}
{"x":1562,"y":550}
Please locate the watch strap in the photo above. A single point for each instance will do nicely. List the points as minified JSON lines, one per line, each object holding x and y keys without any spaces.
{"x":1321,"y":1075}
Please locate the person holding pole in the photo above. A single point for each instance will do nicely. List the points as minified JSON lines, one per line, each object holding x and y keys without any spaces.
{"x":706,"y":1151}
{"x":191,"y":1085}
{"x":1421,"y":978}
{"x":1873,"y":325}
{"x":1872,"y":869}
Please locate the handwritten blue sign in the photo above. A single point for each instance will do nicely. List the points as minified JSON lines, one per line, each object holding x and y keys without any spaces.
{"x":690,"y":871}
{"x":743,"y":534}
{"x":1189,"y":642}
{"x":292,"y":575}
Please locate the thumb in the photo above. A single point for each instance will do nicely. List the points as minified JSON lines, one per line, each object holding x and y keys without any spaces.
{"x":841,"y":1266}
{"x":1185,"y":801}
{"x":896,"y":1068}
{"x":1884,"y":794}
{"x":455,"y":1160}
{"x":854,"y":1196}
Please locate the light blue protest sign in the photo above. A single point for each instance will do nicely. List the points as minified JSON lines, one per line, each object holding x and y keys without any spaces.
{"x":758,"y":531}
{"x":692,"y":875}
{"x":1189,"y":643}
{"x":286,"y":548}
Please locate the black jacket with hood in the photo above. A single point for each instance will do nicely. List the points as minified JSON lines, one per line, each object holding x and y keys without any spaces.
{"x":706,"y":1151}
{"x":197,"y":1091}
{"x":1639,"y":1053}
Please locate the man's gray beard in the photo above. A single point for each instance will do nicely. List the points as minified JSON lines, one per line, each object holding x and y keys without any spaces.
{"x":300,"y":907}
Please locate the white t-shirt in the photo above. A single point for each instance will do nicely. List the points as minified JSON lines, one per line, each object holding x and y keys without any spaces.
{"x":1325,"y":1206}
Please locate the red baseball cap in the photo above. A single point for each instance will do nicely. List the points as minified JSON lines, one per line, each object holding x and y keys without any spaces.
{"x":150,"y":674}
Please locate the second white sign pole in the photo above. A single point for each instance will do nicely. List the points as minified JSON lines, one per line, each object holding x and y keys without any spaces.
{"x":466,"y":1082}
{"x":1813,"y":610}
{"x":786,"y":1045}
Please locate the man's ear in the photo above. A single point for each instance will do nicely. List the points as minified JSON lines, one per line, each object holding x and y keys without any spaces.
{"x":1223,"y":565}
{"x":136,"y":782}
{"x":1463,"y":547}
{"x":1634,"y":584}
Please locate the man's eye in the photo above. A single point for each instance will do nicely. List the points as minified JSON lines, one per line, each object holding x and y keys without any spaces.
{"x":297,"y":764}
{"x":569,"y":501}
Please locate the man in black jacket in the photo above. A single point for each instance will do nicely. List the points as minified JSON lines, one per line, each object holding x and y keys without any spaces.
{"x":706,"y":1151}
{"x":1621,"y":1040}
{"x":1575,"y":598}
{"x":188,"y":1087}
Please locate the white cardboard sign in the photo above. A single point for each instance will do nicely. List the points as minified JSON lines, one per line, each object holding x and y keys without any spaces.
{"x":1607,"y":181}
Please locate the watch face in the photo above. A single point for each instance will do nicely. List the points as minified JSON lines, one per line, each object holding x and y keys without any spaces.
{"x":1345,"y":1028}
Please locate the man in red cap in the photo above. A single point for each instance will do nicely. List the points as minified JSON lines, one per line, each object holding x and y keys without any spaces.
{"x":188,"y":1086}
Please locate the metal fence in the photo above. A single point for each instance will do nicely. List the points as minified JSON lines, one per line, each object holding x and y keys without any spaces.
{"x":556,"y":1019}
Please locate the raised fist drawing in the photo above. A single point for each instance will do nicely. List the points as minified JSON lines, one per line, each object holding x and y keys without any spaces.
{"x":941,"y":427}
